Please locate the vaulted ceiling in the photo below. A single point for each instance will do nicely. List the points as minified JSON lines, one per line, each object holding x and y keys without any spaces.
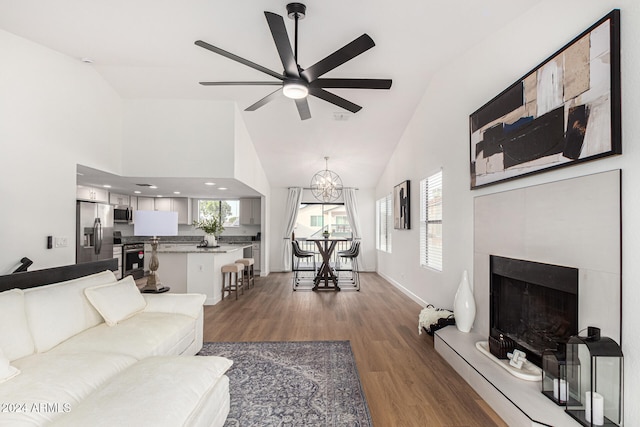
{"x":145,"y":49}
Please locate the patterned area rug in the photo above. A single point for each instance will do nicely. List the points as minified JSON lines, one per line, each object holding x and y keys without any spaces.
{"x":302,"y":383}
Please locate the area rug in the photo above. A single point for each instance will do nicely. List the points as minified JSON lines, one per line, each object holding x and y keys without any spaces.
{"x":302,"y":383}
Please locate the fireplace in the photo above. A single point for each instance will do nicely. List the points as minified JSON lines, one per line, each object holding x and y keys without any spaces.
{"x":533,"y":306}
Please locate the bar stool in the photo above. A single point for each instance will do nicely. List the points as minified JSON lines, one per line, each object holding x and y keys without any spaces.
{"x":228,"y":270}
{"x":352,"y":255}
{"x":247,"y":274}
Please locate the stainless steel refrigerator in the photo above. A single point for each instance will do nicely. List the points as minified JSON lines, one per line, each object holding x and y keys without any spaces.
{"x":94,"y":231}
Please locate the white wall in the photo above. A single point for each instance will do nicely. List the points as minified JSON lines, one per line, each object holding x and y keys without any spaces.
{"x":438,"y":136}
{"x":178,"y":138}
{"x":246,"y":163}
{"x":55,"y":112}
{"x":248,"y":169}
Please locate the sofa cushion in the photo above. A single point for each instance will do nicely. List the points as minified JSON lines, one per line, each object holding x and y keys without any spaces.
{"x":51,"y":385}
{"x":59,"y":311}
{"x":15,"y":336}
{"x":167,"y":390}
{"x":187,"y":304}
{"x":6,"y":370}
{"x":143,"y":335}
{"x":116,"y":301}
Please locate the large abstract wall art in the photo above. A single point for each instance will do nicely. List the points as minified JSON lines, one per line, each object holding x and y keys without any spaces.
{"x":565,"y":111}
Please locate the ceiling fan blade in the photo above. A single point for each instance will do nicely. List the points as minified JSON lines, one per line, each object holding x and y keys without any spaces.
{"x":238,"y":59}
{"x":334,"y":99}
{"x":241,"y":83}
{"x":303,"y":108}
{"x":273,"y":95}
{"x":281,"y":39}
{"x":352,"y":83}
{"x":339,"y":57}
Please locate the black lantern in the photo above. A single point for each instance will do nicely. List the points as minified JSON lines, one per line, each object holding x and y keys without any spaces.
{"x":594,"y":367}
{"x":554,"y":374}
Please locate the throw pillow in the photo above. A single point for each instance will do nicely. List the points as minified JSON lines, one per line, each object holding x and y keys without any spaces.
{"x":116,"y":301}
{"x":6,"y":370}
{"x":59,"y":311}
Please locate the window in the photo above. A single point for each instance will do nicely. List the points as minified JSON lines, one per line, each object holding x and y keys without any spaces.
{"x":384,"y":223}
{"x":316,"y":221}
{"x":431,"y":222}
{"x":314,"y":218}
{"x":227,"y":210}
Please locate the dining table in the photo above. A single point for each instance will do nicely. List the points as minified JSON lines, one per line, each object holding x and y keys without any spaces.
{"x":326,"y":274}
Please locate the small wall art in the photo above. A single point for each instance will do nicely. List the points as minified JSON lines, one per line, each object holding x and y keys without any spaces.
{"x":401,"y":206}
{"x":563,"y":112}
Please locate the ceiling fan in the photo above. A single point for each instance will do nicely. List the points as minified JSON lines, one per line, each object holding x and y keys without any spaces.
{"x":297,"y":83}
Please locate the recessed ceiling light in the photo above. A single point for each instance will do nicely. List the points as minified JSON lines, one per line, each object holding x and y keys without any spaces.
{"x":209,"y":183}
{"x":153,"y":187}
{"x":176,"y":192}
{"x":222,"y":188}
{"x":106,"y":186}
{"x":159,"y":195}
{"x":137,"y":192}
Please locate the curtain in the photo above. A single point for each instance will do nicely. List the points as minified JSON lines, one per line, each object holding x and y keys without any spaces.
{"x":291,"y":214}
{"x":351,"y":205}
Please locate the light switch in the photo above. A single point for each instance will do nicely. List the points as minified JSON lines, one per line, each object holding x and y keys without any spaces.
{"x":60,"y":242}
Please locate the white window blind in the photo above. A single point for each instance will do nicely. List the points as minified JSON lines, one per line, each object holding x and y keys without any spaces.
{"x":431,"y":221}
{"x":384,"y":220}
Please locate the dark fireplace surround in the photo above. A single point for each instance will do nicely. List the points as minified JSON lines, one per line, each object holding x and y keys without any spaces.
{"x":533,"y":306}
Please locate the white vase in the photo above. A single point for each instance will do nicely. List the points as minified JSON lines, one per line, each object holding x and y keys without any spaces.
{"x":211,"y":240}
{"x":464,"y":306}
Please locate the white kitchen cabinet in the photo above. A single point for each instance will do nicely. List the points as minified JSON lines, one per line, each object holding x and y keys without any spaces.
{"x":162,"y":204}
{"x":182,"y":206}
{"x":119,"y":199}
{"x":92,"y":194}
{"x":145,"y":204}
{"x":249,"y":211}
{"x":175,"y":204}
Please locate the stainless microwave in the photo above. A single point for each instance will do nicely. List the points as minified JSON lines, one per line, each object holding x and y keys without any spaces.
{"x":122,"y":214}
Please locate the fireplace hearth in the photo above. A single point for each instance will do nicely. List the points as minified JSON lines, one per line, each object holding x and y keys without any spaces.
{"x":533,"y":306}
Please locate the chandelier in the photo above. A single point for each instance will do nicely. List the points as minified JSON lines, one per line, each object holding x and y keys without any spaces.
{"x":326,"y":185}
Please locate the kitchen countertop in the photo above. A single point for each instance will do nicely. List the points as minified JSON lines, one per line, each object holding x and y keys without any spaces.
{"x":193,"y":248}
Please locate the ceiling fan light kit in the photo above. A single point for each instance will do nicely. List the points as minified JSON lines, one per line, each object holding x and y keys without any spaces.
{"x":295,"y":89}
{"x":298,"y":83}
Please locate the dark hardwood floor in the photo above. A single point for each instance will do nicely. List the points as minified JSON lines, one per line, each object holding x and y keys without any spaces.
{"x":405,"y":381}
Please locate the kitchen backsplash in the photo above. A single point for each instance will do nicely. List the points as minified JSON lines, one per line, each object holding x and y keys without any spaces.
{"x":187,"y":234}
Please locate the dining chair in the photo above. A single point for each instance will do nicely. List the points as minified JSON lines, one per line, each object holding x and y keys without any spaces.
{"x":351,"y":254}
{"x":297,"y":255}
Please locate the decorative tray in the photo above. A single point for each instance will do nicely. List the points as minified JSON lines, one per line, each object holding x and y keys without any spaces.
{"x":528,"y":372}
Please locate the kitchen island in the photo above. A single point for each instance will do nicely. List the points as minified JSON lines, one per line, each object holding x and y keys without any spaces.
{"x":187,"y":268}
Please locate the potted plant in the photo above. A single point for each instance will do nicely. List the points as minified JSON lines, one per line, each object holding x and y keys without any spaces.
{"x":212,"y":227}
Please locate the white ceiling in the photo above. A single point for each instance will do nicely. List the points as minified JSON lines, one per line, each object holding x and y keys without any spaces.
{"x":145,"y":49}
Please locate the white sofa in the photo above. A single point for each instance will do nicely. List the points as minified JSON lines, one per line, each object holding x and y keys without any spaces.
{"x":94,"y":351}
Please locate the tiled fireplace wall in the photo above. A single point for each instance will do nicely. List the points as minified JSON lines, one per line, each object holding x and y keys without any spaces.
{"x":573,"y":223}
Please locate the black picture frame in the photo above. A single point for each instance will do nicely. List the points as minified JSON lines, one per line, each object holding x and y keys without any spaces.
{"x":565,"y":111}
{"x":402,"y":206}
